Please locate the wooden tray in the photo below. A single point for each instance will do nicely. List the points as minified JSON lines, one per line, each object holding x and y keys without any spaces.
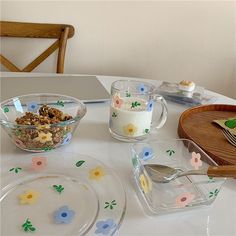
{"x":196,"y":124}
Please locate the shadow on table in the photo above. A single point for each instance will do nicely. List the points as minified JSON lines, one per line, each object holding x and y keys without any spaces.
{"x":95,"y":131}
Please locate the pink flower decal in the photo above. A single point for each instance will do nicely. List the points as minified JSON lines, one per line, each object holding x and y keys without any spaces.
{"x":38,"y":163}
{"x":184,"y":199}
{"x":117,"y":101}
{"x":196,"y":160}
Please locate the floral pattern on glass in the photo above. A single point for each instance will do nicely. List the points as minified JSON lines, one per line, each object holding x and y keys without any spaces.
{"x":117,"y":101}
{"x":184,"y":199}
{"x":63,"y":215}
{"x":130,"y":129}
{"x":32,"y":106}
{"x":145,"y":183}
{"x":38,"y":163}
{"x":150,"y":105}
{"x":43,"y":127}
{"x":196,"y":160}
{"x":29,"y":197}
{"x":67,"y":139}
{"x":142,"y":88}
{"x":44,"y":137}
{"x":105,"y":226}
{"x":96,"y":173}
{"x":146,"y":154}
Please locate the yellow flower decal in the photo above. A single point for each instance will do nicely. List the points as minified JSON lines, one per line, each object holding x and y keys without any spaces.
{"x":29,"y":197}
{"x":42,"y":127}
{"x":145,"y":183}
{"x":44,"y":137}
{"x":96,"y":173}
{"x":130,"y":129}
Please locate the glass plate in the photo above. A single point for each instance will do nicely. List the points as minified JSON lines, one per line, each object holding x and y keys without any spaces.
{"x":61,"y":194}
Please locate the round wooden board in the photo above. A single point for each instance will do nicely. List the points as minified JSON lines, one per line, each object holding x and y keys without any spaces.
{"x":197,"y":125}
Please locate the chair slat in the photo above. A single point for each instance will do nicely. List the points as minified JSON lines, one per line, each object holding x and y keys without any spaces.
{"x":33,"y":30}
{"x":62,"y":51}
{"x":41,"y":57}
{"x":9,"y":65}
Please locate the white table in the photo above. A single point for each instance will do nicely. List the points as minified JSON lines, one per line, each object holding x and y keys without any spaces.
{"x":92,"y":138}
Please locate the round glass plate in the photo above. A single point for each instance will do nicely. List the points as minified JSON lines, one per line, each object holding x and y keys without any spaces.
{"x":62,"y":194}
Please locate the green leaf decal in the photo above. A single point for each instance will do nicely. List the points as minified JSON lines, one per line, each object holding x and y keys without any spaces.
{"x":170,"y":152}
{"x":58,"y":188}
{"x":60,"y":103}
{"x":6,"y":109}
{"x":214,"y":193}
{"x":16,"y":169}
{"x":128,"y":94}
{"x":114,"y":114}
{"x":79,"y":163}
{"x":146,"y":131}
{"x":27,"y":226}
{"x":46,"y":149}
{"x":135,"y":104}
{"x":110,"y":205}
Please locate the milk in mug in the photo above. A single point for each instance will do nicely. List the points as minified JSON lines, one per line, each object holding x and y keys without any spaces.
{"x":132,"y":117}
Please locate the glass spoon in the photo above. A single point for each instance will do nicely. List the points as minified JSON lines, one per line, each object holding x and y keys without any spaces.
{"x":164,"y":174}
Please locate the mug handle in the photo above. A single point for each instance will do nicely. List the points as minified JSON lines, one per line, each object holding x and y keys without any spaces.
{"x":163,"y":117}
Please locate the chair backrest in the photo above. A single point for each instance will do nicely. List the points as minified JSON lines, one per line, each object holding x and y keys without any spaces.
{"x":60,"y":32}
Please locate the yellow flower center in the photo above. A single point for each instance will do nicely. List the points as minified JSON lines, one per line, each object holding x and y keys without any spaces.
{"x":44,"y":137}
{"x":96,"y":173}
{"x":29,"y":196}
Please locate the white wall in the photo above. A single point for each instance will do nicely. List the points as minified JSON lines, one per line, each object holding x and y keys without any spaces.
{"x":168,"y":40}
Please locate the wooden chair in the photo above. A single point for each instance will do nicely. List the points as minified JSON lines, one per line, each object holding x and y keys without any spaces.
{"x":60,"y":32}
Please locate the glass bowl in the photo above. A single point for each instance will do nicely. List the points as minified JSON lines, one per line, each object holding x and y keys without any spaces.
{"x":40,"y":128}
{"x":183,"y":193}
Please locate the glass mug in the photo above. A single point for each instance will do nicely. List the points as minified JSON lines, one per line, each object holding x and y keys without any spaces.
{"x":132,"y":110}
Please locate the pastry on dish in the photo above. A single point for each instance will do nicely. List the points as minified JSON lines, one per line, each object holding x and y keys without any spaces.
{"x":186,"y":85}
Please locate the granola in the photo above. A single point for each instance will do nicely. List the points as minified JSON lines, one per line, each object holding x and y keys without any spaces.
{"x":42,"y":134}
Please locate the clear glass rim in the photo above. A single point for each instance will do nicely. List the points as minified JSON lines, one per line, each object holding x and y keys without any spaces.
{"x":114,"y":86}
{"x":63,"y":123}
{"x":173,"y":140}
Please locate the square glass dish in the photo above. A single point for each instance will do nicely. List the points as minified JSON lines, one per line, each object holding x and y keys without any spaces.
{"x":182,"y":193}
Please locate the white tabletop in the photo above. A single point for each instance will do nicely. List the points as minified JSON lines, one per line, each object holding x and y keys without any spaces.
{"x":92,"y":138}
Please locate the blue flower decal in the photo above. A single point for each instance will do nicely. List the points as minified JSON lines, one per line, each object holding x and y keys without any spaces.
{"x":142,"y":88}
{"x":67,"y":139}
{"x":146,"y":154}
{"x":150,"y":105}
{"x":32,"y":106}
{"x":63,"y":215}
{"x":104,"y":227}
